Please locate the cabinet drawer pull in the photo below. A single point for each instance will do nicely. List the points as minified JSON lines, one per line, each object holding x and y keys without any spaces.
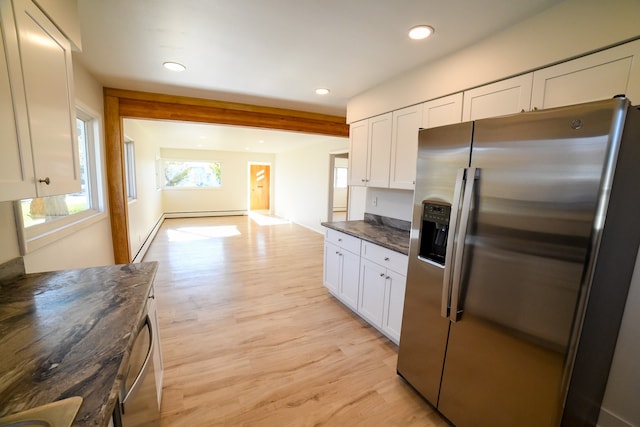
{"x":45,"y":181}
{"x":381,"y":274}
{"x":386,"y":258}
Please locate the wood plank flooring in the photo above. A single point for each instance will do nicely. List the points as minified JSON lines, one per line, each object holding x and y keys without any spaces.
{"x":251,"y":337}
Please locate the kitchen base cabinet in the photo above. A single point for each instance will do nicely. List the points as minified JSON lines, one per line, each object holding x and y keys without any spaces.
{"x":342,"y":266}
{"x":393,"y":305}
{"x":367,"y":278}
{"x":382,"y":288}
{"x":373,"y":281}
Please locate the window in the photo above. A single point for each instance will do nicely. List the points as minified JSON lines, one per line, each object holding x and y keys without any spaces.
{"x":191,"y":173}
{"x":43,"y":217}
{"x":130,"y":169}
{"x":340,"y":177}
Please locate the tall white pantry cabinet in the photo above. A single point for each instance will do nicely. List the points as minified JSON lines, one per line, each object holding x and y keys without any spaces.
{"x":39,"y":149}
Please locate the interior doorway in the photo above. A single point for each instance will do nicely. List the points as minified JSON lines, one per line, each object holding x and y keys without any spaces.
{"x":259,"y":187}
{"x":338,"y":188}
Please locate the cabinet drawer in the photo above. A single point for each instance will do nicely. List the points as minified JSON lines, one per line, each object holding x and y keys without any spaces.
{"x":386,"y":257}
{"x":345,"y":241}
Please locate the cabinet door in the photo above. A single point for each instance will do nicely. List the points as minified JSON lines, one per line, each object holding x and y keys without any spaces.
{"x":404,"y":147}
{"x":16,"y":165}
{"x":358,"y":152}
{"x":379,"y":151}
{"x":372,"y":288}
{"x":442,"y":111}
{"x":508,"y":96}
{"x":598,"y":76}
{"x":350,"y":282}
{"x":48,"y":80}
{"x":393,"y":305}
{"x":332,"y":260}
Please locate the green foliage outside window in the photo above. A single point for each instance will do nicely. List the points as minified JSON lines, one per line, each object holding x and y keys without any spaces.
{"x":181,"y":173}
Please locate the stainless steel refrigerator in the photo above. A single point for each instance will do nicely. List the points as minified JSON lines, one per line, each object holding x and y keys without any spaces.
{"x":523,"y":242}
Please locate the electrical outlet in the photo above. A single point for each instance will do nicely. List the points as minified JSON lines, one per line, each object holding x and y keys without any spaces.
{"x":374,"y":201}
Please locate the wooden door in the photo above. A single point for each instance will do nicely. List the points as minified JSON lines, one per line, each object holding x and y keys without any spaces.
{"x":260,"y":184}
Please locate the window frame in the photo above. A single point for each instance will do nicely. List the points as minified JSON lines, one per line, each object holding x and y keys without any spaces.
{"x":40,"y":235}
{"x":130,"y":169}
{"x":163,"y":185}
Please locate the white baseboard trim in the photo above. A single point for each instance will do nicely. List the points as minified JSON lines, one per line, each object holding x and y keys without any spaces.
{"x":198,"y":214}
{"x":147,"y":242}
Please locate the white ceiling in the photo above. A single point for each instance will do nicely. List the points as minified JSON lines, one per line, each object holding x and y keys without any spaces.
{"x":276,"y":52}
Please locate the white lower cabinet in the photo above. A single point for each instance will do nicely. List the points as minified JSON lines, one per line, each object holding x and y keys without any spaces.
{"x":393,"y":305}
{"x":342,"y":266}
{"x":371,"y":282}
{"x":383,"y":280}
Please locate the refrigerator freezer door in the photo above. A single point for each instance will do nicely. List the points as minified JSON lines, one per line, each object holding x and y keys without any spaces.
{"x":525,"y":260}
{"x":442,"y":152}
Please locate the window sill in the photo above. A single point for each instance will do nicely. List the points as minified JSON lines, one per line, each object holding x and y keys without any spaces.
{"x":31,"y":241}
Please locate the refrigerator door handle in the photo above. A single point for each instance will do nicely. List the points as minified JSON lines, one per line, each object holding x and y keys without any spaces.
{"x":448,"y":263}
{"x":472,"y":175}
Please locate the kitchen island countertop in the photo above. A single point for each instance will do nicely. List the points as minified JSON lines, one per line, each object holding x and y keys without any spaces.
{"x":387,"y":232}
{"x":67,"y":333}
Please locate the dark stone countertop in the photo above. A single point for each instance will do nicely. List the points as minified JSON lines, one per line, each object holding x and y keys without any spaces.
{"x":67,"y":333}
{"x":387,"y":232}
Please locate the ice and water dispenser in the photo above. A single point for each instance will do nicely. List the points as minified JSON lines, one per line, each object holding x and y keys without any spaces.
{"x":435,"y":228}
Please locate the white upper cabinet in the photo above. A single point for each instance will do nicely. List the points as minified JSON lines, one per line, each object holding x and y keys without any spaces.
{"x":442,"y":111}
{"x":379,"y":150}
{"x":601,"y":75}
{"x":45,"y":133}
{"x":498,"y":99}
{"x":16,"y":165}
{"x":404,"y":147}
{"x":370,"y":151}
{"x":358,"y":152}
{"x":48,"y":79}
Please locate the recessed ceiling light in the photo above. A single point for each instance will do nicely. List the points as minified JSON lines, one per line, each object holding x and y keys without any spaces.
{"x":322,"y":91}
{"x":420,"y":32}
{"x":173,"y":66}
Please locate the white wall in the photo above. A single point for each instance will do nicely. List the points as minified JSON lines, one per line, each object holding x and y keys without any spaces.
{"x":390,"y":203}
{"x":302,"y":182}
{"x":9,"y":248}
{"x":91,"y":245}
{"x":145,"y":211}
{"x":572,"y":28}
{"x":232,"y":196}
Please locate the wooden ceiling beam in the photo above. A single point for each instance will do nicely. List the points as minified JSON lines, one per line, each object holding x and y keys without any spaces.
{"x":169,"y":107}
{"x":120,"y":104}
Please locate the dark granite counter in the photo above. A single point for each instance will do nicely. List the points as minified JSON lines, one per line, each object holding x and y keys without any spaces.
{"x":387,"y":232}
{"x":67,"y":333}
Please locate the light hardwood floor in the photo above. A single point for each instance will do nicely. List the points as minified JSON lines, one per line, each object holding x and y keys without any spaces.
{"x":251,"y":337}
